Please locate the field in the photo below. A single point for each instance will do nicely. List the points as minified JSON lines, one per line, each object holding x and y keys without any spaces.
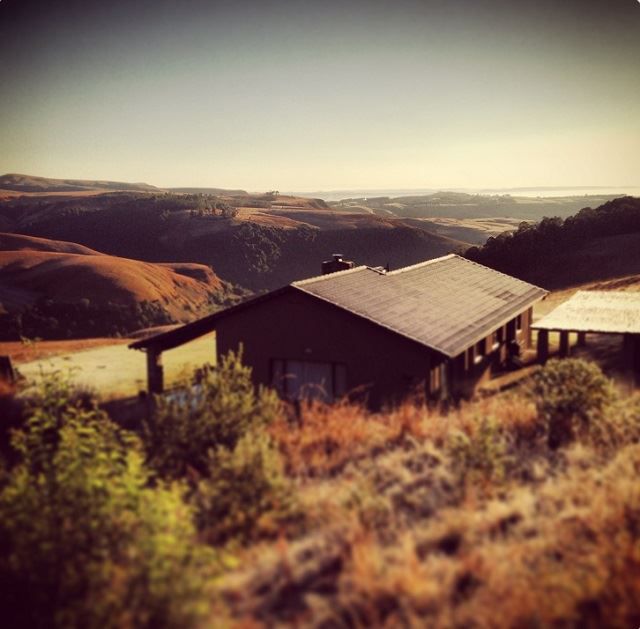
{"x":114,"y":370}
{"x":470,"y":230}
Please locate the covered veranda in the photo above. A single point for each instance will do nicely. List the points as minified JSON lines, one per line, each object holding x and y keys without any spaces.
{"x":602,"y":313}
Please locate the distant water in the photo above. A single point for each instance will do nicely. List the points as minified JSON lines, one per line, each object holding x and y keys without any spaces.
{"x":566,"y":192}
{"x":336,"y":195}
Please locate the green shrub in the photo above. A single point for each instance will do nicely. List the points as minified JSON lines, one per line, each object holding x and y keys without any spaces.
{"x":483,"y":453}
{"x":85,"y":541}
{"x":570,"y":395}
{"x":183,"y":433}
{"x":217,"y":438}
{"x":245,"y":493}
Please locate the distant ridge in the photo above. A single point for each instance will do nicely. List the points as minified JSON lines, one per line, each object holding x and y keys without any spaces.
{"x":15,"y":182}
{"x":216,"y":191}
{"x":539,"y":191}
{"x":29,"y":183}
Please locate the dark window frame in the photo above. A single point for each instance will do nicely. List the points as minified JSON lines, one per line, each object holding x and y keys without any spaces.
{"x":283,"y":387}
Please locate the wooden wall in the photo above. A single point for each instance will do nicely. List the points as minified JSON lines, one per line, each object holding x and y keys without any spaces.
{"x":380,"y":364}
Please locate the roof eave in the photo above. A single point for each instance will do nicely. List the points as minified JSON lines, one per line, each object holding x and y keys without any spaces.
{"x":195,"y":329}
{"x":448,"y":354}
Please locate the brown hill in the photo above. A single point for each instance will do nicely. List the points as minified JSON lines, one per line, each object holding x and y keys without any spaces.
{"x":29,"y":183}
{"x":258,"y":241}
{"x":20,"y":242}
{"x":35,"y":268}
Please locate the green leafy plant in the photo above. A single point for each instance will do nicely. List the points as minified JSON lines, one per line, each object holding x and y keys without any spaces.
{"x":86,"y":539}
{"x":245,"y":493}
{"x":570,"y":395}
{"x":481,"y":453}
{"x":184,"y":432}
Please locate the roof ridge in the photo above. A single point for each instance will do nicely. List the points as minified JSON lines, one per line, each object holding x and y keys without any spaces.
{"x":421,"y":264}
{"x":318,"y":278}
{"x":511,"y":277}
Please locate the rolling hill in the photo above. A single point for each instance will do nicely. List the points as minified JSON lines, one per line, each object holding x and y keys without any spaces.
{"x":52,"y":279}
{"x":256,"y":241}
{"x":29,"y":183}
{"x":462,"y":205}
{"x":594,"y":245}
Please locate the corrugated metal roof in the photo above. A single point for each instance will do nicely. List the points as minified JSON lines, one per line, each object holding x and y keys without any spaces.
{"x":596,"y":311}
{"x":447,"y":304}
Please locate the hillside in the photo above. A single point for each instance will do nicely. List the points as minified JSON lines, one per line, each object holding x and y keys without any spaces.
{"x":594,"y":245}
{"x":256,"y":241}
{"x":520,"y":510}
{"x":215,"y":191}
{"x":42,"y":280}
{"x":462,"y":205}
{"x":20,"y":242}
{"x":29,"y":183}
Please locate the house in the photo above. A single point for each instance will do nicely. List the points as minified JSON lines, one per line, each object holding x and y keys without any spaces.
{"x":443,"y":324}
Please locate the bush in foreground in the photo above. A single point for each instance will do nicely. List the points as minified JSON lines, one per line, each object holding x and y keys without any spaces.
{"x":186,"y":431}
{"x":571,"y":395}
{"x":216,"y":438}
{"x":86,"y":541}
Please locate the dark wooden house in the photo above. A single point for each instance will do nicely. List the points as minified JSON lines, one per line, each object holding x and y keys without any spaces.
{"x":442,"y":325}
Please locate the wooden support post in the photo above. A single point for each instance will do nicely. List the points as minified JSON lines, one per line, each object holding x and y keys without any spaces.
{"x":7,"y":371}
{"x":564,"y":344}
{"x":582,"y":339}
{"x":628,"y":359}
{"x":155,"y":375}
{"x":543,"y":346}
{"x":636,"y":359}
{"x":445,"y":380}
{"x":527,"y":319}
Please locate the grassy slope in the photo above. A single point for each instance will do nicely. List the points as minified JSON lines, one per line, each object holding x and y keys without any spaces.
{"x":602,"y":259}
{"x":412,"y":518}
{"x":32,"y":268}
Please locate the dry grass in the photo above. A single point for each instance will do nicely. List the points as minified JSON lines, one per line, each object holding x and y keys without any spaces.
{"x":20,"y":352}
{"x":415,"y":517}
{"x":407,"y":527}
{"x":69,"y":277}
{"x":108,"y":366}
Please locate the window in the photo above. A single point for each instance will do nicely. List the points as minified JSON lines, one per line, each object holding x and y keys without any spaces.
{"x":498,"y":338}
{"x":301,"y":379}
{"x":519,"y":323}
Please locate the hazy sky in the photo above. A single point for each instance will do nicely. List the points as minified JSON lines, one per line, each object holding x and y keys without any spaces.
{"x":303,"y":95}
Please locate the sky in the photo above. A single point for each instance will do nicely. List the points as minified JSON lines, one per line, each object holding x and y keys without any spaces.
{"x":322,"y":95}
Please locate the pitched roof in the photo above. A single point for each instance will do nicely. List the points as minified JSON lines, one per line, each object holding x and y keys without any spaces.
{"x":596,"y":311}
{"x":447,"y":304}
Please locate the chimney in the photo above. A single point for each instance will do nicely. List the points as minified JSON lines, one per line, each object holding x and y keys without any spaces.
{"x":337,"y":263}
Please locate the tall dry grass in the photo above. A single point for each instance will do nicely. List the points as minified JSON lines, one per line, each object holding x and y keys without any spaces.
{"x":468,"y":518}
